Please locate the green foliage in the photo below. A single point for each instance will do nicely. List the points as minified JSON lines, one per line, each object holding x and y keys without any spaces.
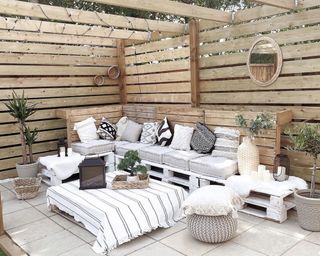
{"x":262,"y":121}
{"x":306,"y":138}
{"x":131,"y":162}
{"x":19,"y":107}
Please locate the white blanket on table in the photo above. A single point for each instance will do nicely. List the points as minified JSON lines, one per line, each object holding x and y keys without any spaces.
{"x":118,"y":216}
{"x":63,"y":167}
{"x":244,"y":184}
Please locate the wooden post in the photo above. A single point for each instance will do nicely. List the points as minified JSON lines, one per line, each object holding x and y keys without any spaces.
{"x":122,"y":66}
{"x":194,"y":62}
{"x":1,"y":217}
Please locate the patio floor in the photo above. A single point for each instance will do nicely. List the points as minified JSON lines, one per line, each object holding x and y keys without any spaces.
{"x":41,"y":232}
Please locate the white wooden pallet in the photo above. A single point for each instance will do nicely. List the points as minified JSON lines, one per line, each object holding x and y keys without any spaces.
{"x":269,"y":206}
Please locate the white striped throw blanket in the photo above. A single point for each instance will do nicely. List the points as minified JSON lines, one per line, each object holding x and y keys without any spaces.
{"x":118,"y":216}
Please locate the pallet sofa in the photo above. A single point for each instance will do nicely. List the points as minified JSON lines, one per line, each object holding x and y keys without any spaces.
{"x":178,"y":167}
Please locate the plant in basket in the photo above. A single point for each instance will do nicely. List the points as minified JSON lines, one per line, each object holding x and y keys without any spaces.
{"x":306,"y":138}
{"x":131,"y":163}
{"x":20,"y":109}
{"x":248,"y":152}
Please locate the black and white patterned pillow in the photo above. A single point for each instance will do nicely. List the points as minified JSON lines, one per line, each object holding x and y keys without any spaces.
{"x":107,"y":130}
{"x":164,"y":133}
{"x":203,"y":139}
{"x":149,"y":133}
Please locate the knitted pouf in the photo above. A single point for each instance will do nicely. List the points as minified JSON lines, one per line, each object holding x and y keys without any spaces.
{"x":212,"y":229}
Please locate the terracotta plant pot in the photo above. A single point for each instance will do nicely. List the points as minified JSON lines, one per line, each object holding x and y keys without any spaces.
{"x":308,"y":209}
{"x":248,"y":156}
{"x":27,"y":170}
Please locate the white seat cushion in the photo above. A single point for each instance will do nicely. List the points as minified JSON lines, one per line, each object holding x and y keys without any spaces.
{"x":124,"y":148}
{"x":93,"y":147}
{"x":154,"y":153}
{"x":219,"y":167}
{"x":180,"y":159}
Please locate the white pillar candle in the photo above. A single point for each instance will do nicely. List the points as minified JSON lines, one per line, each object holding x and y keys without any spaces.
{"x":69,"y":151}
{"x":62,"y":152}
{"x":266,"y":176}
{"x":254,"y":175}
{"x":261,"y":170}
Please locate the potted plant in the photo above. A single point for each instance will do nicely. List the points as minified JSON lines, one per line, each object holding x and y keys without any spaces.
{"x":20,"y":108}
{"x":307,"y":139}
{"x":248,"y":152}
{"x":131,"y":163}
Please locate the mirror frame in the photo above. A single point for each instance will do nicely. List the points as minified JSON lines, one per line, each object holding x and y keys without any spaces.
{"x":279,"y":61}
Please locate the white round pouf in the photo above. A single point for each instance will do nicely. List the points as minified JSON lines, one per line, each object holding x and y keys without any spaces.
{"x":212,"y":229}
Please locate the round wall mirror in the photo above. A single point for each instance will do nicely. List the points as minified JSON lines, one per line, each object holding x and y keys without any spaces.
{"x":264,"y":61}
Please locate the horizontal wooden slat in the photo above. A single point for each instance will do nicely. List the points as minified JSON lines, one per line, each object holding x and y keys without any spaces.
{"x":159,"y":88}
{"x":61,"y":49}
{"x":157,"y":98}
{"x":44,"y":59}
{"x":55,"y":38}
{"x":158,"y":45}
{"x":156,"y":78}
{"x":42,"y":11}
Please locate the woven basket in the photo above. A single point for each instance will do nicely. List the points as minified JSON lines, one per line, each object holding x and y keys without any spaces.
{"x":212,"y":229}
{"x":120,"y":182}
{"x":26,"y":188}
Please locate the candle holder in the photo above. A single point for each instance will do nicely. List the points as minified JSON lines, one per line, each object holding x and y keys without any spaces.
{"x":62,"y":148}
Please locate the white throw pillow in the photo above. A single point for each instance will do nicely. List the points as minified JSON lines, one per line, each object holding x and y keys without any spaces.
{"x":132,"y":132}
{"x":182,"y":137}
{"x":213,"y":201}
{"x":121,"y":126}
{"x":87,"y":130}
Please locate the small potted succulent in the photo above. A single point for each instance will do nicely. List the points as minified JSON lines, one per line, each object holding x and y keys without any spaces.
{"x":306,"y":138}
{"x":20,"y":109}
{"x":248,"y":152}
{"x":131,"y":163}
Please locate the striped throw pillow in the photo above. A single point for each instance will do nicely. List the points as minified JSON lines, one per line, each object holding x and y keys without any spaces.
{"x":164,"y":133}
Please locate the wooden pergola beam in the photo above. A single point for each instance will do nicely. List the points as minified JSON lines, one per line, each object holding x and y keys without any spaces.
{"x":48,"y":12}
{"x":171,"y":7}
{"x":285,"y":4}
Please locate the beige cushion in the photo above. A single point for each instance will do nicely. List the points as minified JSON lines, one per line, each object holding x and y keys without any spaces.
{"x":121,"y":126}
{"x":124,"y":148}
{"x":218,"y":167}
{"x":87,"y":130}
{"x":180,"y":159}
{"x":132,"y":132}
{"x":93,"y":147}
{"x":227,"y":143}
{"x":181,"y":137}
{"x":212,"y":201}
{"x":154,"y":153}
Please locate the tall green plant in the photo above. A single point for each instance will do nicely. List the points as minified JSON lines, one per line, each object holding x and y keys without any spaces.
{"x":20,"y":109}
{"x":262,"y":121}
{"x":306,"y":138}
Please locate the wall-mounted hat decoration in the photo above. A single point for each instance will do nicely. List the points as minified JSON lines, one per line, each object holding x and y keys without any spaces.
{"x":98,"y":80}
{"x":113,"y":72}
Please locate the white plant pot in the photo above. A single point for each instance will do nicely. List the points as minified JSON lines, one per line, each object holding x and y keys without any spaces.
{"x":27,"y":170}
{"x":134,"y":178}
{"x":248,"y":156}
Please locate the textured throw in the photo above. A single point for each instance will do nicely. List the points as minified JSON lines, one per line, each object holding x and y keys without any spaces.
{"x":118,"y":216}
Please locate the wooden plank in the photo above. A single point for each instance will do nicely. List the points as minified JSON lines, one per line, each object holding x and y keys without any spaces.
{"x":159,"y":56}
{"x":55,"y":38}
{"x":48,"y":82}
{"x":181,"y":76}
{"x":194,"y":63}
{"x":61,"y":49}
{"x":285,"y":4}
{"x":122,"y":67}
{"x":73,"y":101}
{"x":11,"y":7}
{"x":57,"y":92}
{"x":158,"y":45}
{"x":45,"y":59}
{"x":70,"y":29}
{"x":171,"y":7}
{"x":167,"y":66}
{"x":159,"y":98}
{"x":160,"y":88}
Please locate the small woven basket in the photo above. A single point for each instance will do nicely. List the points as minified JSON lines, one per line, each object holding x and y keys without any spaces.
{"x":120,"y":182}
{"x":26,"y":188}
